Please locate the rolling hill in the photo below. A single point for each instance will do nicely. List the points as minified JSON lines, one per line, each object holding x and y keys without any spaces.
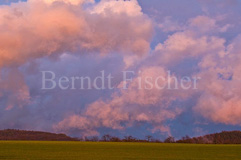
{"x":12,"y":134}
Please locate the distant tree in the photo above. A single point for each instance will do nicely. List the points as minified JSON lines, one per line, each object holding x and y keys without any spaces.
{"x":129,"y":139}
{"x":106,"y":138}
{"x":170,"y":139}
{"x":115,"y":139}
{"x":149,"y":138}
{"x":157,"y":141}
{"x":86,"y":138}
{"x":186,"y":137}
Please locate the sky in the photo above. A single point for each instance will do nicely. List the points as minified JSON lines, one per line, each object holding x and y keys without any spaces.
{"x":178,"y":38}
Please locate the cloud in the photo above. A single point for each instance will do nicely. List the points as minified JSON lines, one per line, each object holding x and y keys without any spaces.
{"x":43,"y":108}
{"x":131,"y":8}
{"x":130,"y":107}
{"x":73,"y":2}
{"x":220,"y":101}
{"x":195,"y":41}
{"x":217,"y":65}
{"x":48,"y":28}
{"x":14,"y":89}
{"x":38,"y":28}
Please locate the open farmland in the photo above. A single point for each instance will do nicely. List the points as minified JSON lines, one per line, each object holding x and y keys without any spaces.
{"x":33,"y":150}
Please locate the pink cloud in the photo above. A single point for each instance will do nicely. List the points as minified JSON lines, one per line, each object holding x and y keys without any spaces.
{"x":36,"y":29}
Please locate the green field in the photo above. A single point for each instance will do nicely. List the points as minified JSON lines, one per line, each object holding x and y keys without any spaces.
{"x":24,"y":150}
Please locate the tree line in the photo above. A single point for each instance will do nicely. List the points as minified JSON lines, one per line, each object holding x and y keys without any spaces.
{"x":225,"y":137}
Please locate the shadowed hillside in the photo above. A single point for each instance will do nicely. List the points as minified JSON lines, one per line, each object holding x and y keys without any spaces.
{"x":225,"y":137}
{"x":11,"y":134}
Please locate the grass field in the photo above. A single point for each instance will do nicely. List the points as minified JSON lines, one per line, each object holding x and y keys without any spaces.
{"x":23,"y":150}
